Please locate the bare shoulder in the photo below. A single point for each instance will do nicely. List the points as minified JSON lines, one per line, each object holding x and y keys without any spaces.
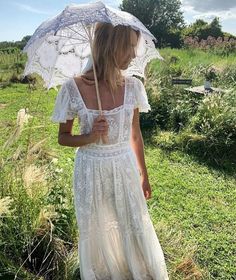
{"x":78,"y":80}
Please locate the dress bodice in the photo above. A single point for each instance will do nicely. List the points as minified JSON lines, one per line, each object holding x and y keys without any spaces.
{"x":70,"y":104}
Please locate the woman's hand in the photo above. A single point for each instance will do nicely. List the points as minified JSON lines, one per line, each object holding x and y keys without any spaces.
{"x":99,"y":129}
{"x":146,"y":188}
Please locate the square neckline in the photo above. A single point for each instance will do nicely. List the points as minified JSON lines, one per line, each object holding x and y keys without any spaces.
{"x":97,"y":110}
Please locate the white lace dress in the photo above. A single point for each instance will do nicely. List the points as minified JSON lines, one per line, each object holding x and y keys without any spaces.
{"x":117,"y":240}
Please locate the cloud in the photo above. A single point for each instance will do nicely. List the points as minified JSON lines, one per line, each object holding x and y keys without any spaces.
{"x":30,"y":9}
{"x":210,"y":5}
{"x":222,"y":15}
{"x":210,"y":9}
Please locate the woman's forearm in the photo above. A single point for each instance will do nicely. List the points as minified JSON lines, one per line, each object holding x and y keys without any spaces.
{"x":138,"y":148}
{"x":66,"y":139}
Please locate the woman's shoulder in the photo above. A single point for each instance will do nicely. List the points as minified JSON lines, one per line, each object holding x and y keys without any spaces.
{"x":134,"y":81}
{"x":64,"y":85}
{"x":77,"y":80}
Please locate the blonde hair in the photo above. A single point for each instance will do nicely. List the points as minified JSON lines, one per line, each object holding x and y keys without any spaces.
{"x":110,"y":41}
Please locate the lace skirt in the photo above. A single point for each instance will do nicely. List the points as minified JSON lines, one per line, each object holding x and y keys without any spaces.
{"x":117,"y":240}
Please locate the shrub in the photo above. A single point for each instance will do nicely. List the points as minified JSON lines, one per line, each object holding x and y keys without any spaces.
{"x":221,"y":46}
{"x":228,"y":76}
{"x":216,"y":119}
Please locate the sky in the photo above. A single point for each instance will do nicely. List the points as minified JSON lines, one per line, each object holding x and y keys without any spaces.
{"x":208,"y":9}
{"x":21,"y":17}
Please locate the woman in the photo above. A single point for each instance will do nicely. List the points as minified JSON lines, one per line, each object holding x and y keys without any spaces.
{"x":117,"y":239}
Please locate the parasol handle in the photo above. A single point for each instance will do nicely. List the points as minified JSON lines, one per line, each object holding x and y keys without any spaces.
{"x":104,"y":138}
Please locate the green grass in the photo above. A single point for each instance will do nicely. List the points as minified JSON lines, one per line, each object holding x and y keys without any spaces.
{"x":40,"y":104}
{"x":199,"y":201}
{"x":191,"y":58}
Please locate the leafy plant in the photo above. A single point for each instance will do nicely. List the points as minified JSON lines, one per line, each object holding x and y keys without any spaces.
{"x":216,"y":119}
{"x":209,"y":73}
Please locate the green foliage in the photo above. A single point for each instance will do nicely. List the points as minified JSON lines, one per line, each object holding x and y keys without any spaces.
{"x":182,"y":110}
{"x":163,"y":18}
{"x":215,"y":28}
{"x":174,"y":39}
{"x":202,"y":29}
{"x":39,"y":236}
{"x":216,"y":119}
{"x":209,"y":73}
{"x":18,"y":44}
{"x":228,"y":76}
{"x":208,"y":37}
{"x":12,"y":64}
{"x":205,"y":124}
{"x":219,"y":46}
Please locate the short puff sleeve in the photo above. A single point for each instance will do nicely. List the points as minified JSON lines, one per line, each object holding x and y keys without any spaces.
{"x":65,"y":108}
{"x":140,"y":98}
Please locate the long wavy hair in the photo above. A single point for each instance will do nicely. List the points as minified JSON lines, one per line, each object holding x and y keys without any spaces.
{"x":110,"y":42}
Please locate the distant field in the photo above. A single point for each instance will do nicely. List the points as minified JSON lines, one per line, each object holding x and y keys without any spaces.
{"x":194,"y":57}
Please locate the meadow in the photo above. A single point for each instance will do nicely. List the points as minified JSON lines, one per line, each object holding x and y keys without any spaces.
{"x":190,"y":152}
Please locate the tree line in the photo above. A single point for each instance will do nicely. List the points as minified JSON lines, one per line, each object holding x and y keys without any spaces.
{"x":165,"y":20}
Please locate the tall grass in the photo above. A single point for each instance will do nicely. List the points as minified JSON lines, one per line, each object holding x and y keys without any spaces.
{"x":37,"y":229}
{"x":11,"y":65}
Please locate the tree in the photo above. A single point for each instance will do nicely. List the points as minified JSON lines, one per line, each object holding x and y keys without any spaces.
{"x":215,"y":28}
{"x":162,"y":17}
{"x":17,"y":44}
{"x":202,"y":29}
